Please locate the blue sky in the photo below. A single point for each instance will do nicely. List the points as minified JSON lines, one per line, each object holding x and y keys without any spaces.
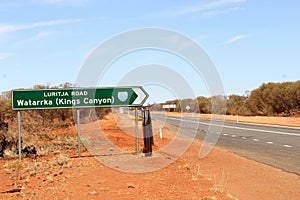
{"x":250,"y":41}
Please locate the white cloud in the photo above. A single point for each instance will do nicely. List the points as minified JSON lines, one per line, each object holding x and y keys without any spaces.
{"x":9,"y":28}
{"x":42,"y":34}
{"x":207,"y":7}
{"x":61,"y":2}
{"x":237,"y":38}
{"x":215,"y":12}
{"x":53,"y":1}
{"x":4,"y":55}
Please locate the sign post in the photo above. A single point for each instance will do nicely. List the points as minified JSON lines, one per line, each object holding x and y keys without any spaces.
{"x":134,"y":96}
{"x":19,"y":135}
{"x":136,"y":131}
{"x":78,"y":131}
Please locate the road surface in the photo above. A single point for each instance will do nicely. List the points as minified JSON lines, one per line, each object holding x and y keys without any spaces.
{"x":275,"y":146}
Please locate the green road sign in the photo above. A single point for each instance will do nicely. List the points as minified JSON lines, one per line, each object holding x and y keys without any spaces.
{"x":78,"y":98}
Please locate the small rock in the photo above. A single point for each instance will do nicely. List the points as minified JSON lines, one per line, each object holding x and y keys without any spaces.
{"x":49,"y":179}
{"x":56,"y":152}
{"x":68,"y":165}
{"x":93,"y":193}
{"x":32,"y":173}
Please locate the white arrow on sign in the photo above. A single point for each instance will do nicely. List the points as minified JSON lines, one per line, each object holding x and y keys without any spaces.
{"x":140,"y":96}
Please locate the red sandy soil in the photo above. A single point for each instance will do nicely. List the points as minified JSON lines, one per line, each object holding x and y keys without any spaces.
{"x":220,"y":175}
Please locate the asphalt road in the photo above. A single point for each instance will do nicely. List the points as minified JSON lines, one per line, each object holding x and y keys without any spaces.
{"x":278,"y":147}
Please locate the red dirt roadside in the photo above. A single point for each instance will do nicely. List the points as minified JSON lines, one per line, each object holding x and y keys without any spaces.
{"x":220,"y":175}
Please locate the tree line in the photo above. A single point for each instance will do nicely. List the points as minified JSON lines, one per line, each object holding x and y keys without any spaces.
{"x":270,"y":99}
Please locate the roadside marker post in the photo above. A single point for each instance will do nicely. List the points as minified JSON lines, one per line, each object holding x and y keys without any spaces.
{"x":160,"y":133}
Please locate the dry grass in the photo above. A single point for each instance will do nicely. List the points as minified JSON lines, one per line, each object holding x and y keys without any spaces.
{"x":209,"y":198}
{"x":196,"y":173}
{"x":219,"y":187}
{"x":43,"y":142}
{"x":231,"y":197}
{"x":22,"y":171}
{"x":15,"y":167}
{"x":62,"y":160}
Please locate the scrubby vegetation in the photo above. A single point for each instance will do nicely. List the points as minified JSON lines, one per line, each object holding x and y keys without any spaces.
{"x":270,"y":99}
{"x":37,"y":126}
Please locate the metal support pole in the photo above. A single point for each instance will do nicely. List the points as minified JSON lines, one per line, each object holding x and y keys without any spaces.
{"x":136,"y":131}
{"x":78,"y":130}
{"x":19,"y":136}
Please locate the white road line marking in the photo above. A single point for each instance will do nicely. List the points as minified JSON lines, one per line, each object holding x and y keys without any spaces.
{"x":270,"y":142}
{"x":287,"y":146}
{"x":234,"y":127}
{"x":233,"y":135}
{"x":256,"y":140}
{"x":244,"y":138}
{"x":225,"y":134}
